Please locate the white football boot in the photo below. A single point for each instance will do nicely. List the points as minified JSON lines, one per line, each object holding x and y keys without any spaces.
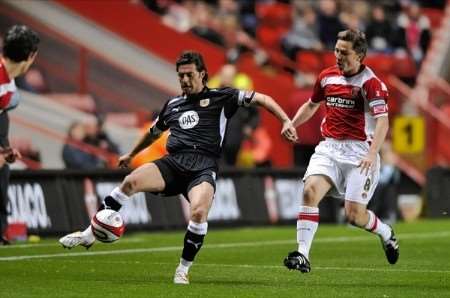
{"x":181,"y":277}
{"x":77,"y":238}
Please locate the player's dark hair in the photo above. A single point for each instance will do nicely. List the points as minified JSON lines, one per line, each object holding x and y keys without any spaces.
{"x":357,"y":38}
{"x":190,"y":57}
{"x":20,"y":43}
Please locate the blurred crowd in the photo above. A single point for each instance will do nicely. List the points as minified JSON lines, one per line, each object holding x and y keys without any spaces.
{"x":239,"y":26}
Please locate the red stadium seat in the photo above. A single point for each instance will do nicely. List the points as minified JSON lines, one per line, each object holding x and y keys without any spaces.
{"x":274,"y":22}
{"x":328,"y":59}
{"x":269,"y":37}
{"x":309,"y":61}
{"x":380,"y":63}
{"x":404,"y":67}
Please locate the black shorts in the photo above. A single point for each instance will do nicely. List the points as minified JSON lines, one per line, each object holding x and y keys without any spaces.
{"x":183,"y":171}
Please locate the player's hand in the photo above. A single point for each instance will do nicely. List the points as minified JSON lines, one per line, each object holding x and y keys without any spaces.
{"x":367,"y":162}
{"x":10,"y":154}
{"x":124,"y":160}
{"x":288,"y":131}
{"x":2,"y":160}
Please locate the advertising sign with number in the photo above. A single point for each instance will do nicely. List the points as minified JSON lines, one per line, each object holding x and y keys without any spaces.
{"x":408,"y":134}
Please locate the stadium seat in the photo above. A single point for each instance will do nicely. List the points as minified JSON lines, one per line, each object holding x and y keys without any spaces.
{"x":328,"y":59}
{"x":83,"y":102}
{"x":123,"y":119}
{"x":309,"y":61}
{"x":274,"y":22}
{"x":380,"y":63}
{"x":404,"y":67}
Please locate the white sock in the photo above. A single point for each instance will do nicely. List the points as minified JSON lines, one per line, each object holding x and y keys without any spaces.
{"x":307,"y":223}
{"x":198,"y":228}
{"x":184,"y":265}
{"x":119,"y":196}
{"x":376,"y":226}
{"x":88,"y":233}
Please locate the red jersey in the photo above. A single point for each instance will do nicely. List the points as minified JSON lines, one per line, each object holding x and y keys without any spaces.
{"x":352,"y":103}
{"x":7,"y":87}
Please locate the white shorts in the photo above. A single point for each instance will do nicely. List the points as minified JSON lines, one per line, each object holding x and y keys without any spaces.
{"x":338,"y":160}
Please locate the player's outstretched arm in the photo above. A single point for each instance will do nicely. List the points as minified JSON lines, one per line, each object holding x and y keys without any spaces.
{"x":145,"y":141}
{"x":305,"y":112}
{"x":288,"y":131}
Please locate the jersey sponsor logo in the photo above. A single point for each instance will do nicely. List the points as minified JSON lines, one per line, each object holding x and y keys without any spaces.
{"x":204,"y":102}
{"x":188,"y":119}
{"x":339,"y":102}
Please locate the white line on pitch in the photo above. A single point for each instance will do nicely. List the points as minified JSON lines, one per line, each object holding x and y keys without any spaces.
{"x":327,"y":268}
{"x":224,"y":245}
{"x":14,"y":246}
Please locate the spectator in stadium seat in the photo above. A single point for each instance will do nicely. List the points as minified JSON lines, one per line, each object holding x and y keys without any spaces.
{"x":304,"y":34}
{"x":20,"y":45}
{"x":95,"y":135}
{"x":329,"y":23}
{"x":204,"y":23}
{"x":73,"y":155}
{"x":379,"y":31}
{"x":413,"y":34}
{"x":197,"y":122}
{"x":346,"y":164}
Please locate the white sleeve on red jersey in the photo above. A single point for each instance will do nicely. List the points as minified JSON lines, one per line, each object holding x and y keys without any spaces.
{"x":376,"y":94}
{"x":6,"y":92}
{"x":318,"y":92}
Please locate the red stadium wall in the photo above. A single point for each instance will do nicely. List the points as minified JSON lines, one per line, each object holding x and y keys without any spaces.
{"x":140,"y":26}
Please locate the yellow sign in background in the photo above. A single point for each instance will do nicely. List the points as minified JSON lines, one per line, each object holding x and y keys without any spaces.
{"x":408,"y":134}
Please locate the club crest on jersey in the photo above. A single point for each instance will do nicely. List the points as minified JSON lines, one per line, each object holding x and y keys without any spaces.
{"x":355,"y":91}
{"x":188,"y":119}
{"x":204,"y":102}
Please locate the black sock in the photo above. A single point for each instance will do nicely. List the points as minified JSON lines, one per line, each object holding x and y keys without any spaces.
{"x":110,"y":203}
{"x":192,"y":244}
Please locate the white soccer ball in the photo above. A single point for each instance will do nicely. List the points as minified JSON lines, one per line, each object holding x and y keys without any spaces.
{"x":107,"y":225}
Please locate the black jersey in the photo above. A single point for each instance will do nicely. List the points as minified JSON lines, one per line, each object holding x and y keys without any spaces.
{"x":198,"y":122}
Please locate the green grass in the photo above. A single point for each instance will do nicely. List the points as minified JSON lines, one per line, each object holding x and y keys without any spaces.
{"x":346,"y":262}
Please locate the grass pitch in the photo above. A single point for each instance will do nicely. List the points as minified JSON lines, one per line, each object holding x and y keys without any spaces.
{"x":346,"y":262}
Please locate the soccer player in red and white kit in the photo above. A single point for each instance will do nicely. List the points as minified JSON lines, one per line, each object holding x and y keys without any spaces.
{"x":346,"y":164}
{"x":20,"y":45}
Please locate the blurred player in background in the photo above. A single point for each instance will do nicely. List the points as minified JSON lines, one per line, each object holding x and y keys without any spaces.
{"x":346,"y":164}
{"x":197,"y":120}
{"x":20,"y":46}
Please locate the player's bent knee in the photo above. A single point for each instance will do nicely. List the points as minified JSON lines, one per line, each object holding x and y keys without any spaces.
{"x":309,"y":195}
{"x":354,"y":216}
{"x":199,"y":214}
{"x":129,"y":184}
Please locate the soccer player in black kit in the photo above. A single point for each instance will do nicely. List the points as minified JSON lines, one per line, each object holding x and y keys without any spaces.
{"x":197,"y":120}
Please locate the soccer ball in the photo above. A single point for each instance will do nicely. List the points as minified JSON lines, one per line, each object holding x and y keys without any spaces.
{"x":107,"y":225}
